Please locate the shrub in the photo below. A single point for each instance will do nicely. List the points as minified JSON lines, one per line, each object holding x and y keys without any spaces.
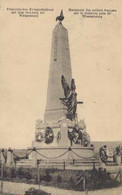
{"x":59,"y":179}
{"x":24,"y":173}
{"x":71,"y":182}
{"x":45,"y":175}
{"x":33,"y":191}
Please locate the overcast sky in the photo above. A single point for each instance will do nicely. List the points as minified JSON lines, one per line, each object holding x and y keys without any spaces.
{"x":96,"y":56}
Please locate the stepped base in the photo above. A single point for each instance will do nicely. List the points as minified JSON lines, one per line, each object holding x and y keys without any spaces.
{"x":73,"y":158}
{"x":66,"y":157}
{"x":24,"y":163}
{"x":67,"y":154}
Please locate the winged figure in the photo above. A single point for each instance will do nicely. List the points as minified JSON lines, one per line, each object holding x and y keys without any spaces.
{"x":73,"y":86}
{"x":70,"y":99}
{"x":65,"y":86}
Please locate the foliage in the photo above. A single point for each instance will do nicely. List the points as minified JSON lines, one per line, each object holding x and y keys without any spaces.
{"x":59,"y":179}
{"x":45,"y":175}
{"x":33,"y":191}
{"x":24,"y":173}
{"x":67,"y":179}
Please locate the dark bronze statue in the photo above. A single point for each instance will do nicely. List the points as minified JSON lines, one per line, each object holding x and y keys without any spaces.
{"x":70,"y":100}
{"x":78,"y":136}
{"x":61,"y":17}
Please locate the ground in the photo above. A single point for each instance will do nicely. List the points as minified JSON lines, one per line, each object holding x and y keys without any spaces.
{"x":20,"y":188}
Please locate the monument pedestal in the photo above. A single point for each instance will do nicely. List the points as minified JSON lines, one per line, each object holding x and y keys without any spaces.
{"x":59,"y":135}
{"x":60,"y":149}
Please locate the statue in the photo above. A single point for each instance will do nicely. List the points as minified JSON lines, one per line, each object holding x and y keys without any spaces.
{"x":61,"y":17}
{"x":70,"y":100}
{"x":118,"y":150}
{"x":78,"y":136}
{"x":103,"y":153}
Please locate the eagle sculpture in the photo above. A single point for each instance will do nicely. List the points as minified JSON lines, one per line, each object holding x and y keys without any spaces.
{"x":61,"y":17}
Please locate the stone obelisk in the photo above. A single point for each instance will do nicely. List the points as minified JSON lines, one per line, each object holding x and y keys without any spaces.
{"x":54,"y":136}
{"x":60,"y":64}
{"x":54,"y":127}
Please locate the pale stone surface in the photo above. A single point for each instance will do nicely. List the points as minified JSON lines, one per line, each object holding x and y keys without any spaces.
{"x":59,"y":65}
{"x":64,"y":134}
{"x":10,"y":158}
{"x":20,"y":188}
{"x":2,"y":158}
{"x":34,"y":157}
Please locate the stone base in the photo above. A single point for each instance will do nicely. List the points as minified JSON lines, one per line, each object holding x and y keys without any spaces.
{"x":63,"y":153}
{"x":58,"y":127}
{"x":59,"y":149}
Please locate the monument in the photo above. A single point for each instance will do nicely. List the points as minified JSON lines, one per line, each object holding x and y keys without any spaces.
{"x":61,"y":129}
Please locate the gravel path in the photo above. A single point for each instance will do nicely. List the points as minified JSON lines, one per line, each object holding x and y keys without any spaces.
{"x":20,"y":188}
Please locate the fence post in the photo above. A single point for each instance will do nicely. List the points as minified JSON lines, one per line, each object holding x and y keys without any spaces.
{"x":64,"y":165}
{"x":120,"y":176}
{"x":38,"y":174}
{"x":73,"y":161}
{"x":84,"y":183}
{"x":93,"y":165}
{"x":70,"y":156}
{"x":10,"y":158}
{"x":34,"y":158}
{"x":3,"y":160}
{"x":2,"y":169}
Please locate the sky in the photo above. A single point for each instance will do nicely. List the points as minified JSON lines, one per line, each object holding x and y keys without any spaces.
{"x":95,"y":49}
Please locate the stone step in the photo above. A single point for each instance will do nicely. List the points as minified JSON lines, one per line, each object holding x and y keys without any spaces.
{"x":85,"y":164}
{"x":85,"y":160}
{"x":111,"y":164}
{"x":26,"y":162}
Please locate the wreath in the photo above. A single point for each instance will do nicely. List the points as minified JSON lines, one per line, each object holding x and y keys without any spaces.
{"x":75,"y":137}
{"x":39,"y":137}
{"x":80,"y":137}
{"x":75,"y":134}
{"x":85,"y":139}
{"x":49,"y":135}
